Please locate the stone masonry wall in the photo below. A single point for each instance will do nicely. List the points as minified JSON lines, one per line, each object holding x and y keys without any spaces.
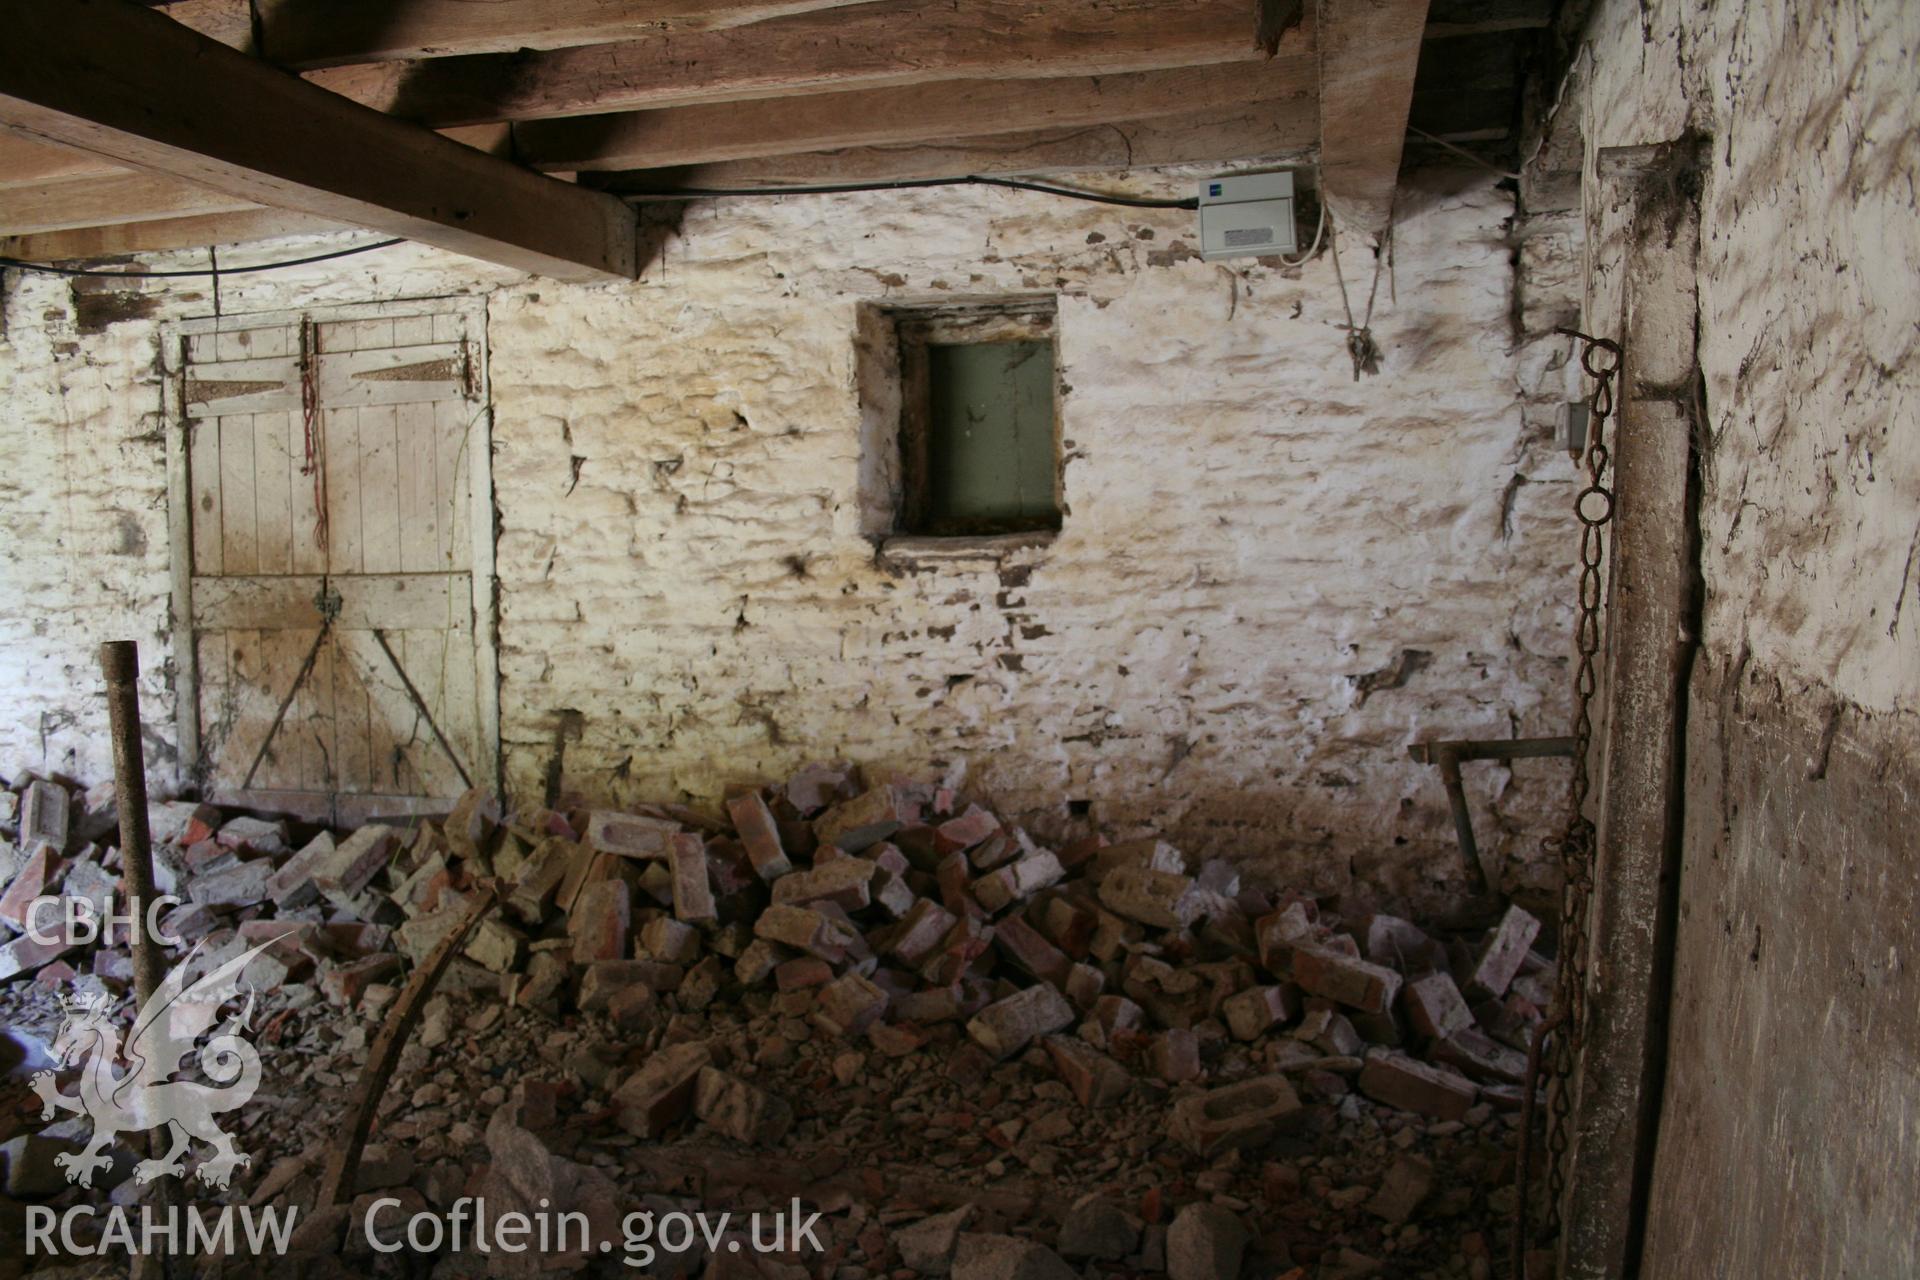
{"x":1271,"y":578}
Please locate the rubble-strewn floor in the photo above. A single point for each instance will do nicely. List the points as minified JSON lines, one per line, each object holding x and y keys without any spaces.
{"x":945,"y":1040}
{"x":879,"y":1143}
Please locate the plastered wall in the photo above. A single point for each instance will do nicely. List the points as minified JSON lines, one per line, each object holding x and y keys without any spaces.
{"x":1271,"y":578}
{"x":1786,"y":1133}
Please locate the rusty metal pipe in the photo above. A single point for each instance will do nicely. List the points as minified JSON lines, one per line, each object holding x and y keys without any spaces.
{"x":120,"y":666}
{"x":1448,"y":754}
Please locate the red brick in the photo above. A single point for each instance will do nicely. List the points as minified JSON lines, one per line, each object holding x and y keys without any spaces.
{"x":1175,"y":1055}
{"x":860,"y":822}
{"x":843,"y":881}
{"x":1435,"y":1007}
{"x":34,"y":880}
{"x":1031,"y":953}
{"x":1010,"y":1025}
{"x":849,"y":1005}
{"x":1400,"y":1081}
{"x":660,"y":1093}
{"x":1095,"y":1079}
{"x":1255,"y":1011}
{"x":600,"y":921}
{"x":758,"y":832}
{"x":1505,"y":952}
{"x":692,"y":890}
{"x":627,"y":836}
{"x":965,"y":831}
{"x":1322,"y":971}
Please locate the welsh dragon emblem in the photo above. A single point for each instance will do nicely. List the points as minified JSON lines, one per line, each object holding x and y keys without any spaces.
{"x":145,"y":1096}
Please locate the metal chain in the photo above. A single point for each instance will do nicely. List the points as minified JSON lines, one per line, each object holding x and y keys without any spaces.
{"x":1565,"y":1029}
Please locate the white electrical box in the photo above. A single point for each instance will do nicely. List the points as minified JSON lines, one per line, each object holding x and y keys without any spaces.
{"x":1246,"y":214}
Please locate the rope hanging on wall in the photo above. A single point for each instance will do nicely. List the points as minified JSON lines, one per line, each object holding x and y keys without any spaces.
{"x":1364,"y":351}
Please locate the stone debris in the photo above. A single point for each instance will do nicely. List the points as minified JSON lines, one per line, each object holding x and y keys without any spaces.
{"x":848,"y":990}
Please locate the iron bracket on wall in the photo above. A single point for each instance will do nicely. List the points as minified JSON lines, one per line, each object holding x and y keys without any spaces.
{"x":1449,"y":754}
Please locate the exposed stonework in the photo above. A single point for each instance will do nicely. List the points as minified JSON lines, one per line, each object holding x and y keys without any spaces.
{"x":1251,"y":538}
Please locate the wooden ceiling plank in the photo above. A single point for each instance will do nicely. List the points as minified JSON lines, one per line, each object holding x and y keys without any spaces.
{"x":125,"y":82}
{"x":28,"y":162}
{"x":892,"y":42}
{"x":1276,"y":132}
{"x":717,"y":132}
{"x":163,"y":234}
{"x":1369,"y":53}
{"x":303,"y":34}
{"x":103,"y":201}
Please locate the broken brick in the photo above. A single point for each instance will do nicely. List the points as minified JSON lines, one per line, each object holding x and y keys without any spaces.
{"x":627,"y":836}
{"x":849,"y":1005}
{"x":1010,"y":1025}
{"x":1163,"y":899}
{"x":1252,"y":1013}
{"x":1241,"y":1115}
{"x":740,"y":1110}
{"x":858,"y":823}
{"x":1175,"y":1055}
{"x":1411,"y":1085}
{"x":1095,"y":1079}
{"x":660,"y":1093}
{"x":1323,"y":971}
{"x":1031,"y":953}
{"x":600,"y":921}
{"x":759,"y":835}
{"x":842,"y":881}
{"x":1505,"y":952}
{"x":1435,"y":1007}
{"x":692,"y":890}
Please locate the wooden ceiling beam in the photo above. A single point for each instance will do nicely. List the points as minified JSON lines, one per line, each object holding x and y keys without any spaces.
{"x":717,"y":132}
{"x":1276,"y":131}
{"x":1369,"y":53}
{"x":303,"y":34}
{"x":106,"y":201}
{"x":120,"y":81}
{"x":29,"y":162}
{"x":163,"y":234}
{"x":892,"y":42}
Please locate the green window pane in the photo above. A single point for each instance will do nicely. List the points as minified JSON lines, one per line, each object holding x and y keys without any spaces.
{"x":990,"y":437}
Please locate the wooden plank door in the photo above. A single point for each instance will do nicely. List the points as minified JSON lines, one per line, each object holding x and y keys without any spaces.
{"x":330,"y":464}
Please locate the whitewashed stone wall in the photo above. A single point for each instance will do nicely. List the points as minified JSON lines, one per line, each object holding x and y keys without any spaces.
{"x":1787,"y":1120}
{"x":678,"y":468}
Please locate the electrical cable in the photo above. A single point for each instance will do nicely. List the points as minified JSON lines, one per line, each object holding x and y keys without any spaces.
{"x":910,"y":184}
{"x":1319,"y":233}
{"x":48,"y":269}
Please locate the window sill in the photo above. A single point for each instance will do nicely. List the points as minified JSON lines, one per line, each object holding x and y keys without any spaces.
{"x":920,"y":550}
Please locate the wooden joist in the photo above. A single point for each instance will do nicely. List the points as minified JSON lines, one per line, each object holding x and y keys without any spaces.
{"x":1272,"y":131}
{"x":25,"y":162}
{"x":166,"y":233}
{"x":1369,"y":51}
{"x":892,"y":42}
{"x":916,"y":113}
{"x":300,"y":33}
{"x":127,"y":83}
{"x":116,"y":198}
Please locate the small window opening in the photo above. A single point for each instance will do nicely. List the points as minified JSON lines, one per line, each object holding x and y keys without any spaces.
{"x":979,"y":420}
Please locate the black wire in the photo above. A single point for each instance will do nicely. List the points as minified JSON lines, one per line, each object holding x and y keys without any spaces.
{"x":1015,"y":184}
{"x":48,"y":269}
{"x":1096,"y":197}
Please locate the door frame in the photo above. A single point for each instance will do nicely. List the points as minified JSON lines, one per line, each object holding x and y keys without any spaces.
{"x":342,"y":809}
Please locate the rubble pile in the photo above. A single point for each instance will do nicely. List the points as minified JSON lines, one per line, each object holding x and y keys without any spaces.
{"x":989,"y":1056}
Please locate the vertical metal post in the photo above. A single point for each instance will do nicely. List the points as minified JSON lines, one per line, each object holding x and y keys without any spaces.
{"x":120,"y":665}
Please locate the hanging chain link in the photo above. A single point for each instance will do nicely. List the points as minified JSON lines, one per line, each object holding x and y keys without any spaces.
{"x":1565,"y":1030}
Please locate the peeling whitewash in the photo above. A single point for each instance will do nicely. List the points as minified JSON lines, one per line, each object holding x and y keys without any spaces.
{"x":1250,"y":535}
{"x":1792,"y":1097}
